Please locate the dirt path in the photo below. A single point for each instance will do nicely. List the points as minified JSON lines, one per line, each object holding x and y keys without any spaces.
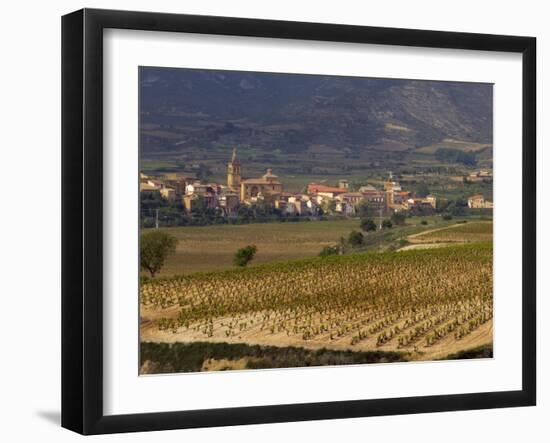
{"x":422,"y":239}
{"x":417,"y":243}
{"x":424,"y":246}
{"x":415,"y":238}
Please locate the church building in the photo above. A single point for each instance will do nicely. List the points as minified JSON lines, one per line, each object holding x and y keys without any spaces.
{"x":267,"y":185}
{"x":234,"y":173}
{"x":252,"y":188}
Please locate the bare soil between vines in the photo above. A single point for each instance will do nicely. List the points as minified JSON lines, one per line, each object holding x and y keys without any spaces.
{"x":254,"y":336}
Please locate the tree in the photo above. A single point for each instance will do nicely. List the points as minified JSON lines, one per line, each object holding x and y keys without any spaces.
{"x":202,"y":172}
{"x":364,"y":209}
{"x":422,"y":190}
{"x":154,"y":248}
{"x":368,"y":224}
{"x":244,"y":255}
{"x":442,"y":204}
{"x":398,"y":218}
{"x":244,"y":214}
{"x":355,"y":238}
{"x":455,"y":156}
{"x":386,"y":224}
{"x":329,"y":250}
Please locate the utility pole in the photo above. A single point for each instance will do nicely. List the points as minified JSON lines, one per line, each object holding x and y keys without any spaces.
{"x":380,"y":219}
{"x":156,"y":218}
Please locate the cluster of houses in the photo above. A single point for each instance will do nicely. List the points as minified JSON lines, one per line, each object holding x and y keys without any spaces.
{"x":268,"y":190}
{"x":392,"y":198}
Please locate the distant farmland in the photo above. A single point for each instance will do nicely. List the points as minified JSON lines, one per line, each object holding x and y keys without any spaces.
{"x":208,"y":248}
{"x":211,"y":248}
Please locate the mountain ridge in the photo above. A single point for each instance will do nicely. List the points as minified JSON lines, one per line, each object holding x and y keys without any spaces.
{"x":181,"y":108}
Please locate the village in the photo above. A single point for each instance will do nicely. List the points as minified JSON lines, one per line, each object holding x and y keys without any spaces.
{"x":268,"y":191}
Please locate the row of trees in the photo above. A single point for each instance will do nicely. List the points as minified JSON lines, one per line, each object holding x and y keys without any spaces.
{"x":397,"y":218}
{"x":456,"y":156}
{"x":175,"y":214}
{"x":356,"y":239}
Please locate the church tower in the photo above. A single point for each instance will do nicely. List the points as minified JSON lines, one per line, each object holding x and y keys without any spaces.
{"x":234,"y":172}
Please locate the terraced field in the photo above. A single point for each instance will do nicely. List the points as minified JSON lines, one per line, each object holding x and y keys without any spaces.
{"x":427,"y":303}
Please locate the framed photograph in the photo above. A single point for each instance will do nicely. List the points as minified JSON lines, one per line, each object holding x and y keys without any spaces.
{"x":269,"y":221}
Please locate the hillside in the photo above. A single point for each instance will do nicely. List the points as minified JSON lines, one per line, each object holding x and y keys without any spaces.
{"x":199,"y":109}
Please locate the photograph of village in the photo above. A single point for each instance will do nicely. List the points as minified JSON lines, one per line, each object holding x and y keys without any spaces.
{"x":291,"y":220}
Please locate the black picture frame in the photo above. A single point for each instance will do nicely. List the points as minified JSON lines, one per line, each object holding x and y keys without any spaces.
{"x":82,"y":218}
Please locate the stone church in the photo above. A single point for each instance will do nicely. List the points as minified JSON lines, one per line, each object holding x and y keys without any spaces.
{"x":252,"y":188}
{"x":234,"y":173}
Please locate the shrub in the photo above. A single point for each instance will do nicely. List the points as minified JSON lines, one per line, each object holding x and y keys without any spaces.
{"x":398,"y":218}
{"x":245,"y":255}
{"x":329,"y":250}
{"x":422,"y":190}
{"x":355,"y":238}
{"x":368,"y":224}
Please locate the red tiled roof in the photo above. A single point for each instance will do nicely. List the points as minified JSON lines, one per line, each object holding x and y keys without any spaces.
{"x":315,"y":188}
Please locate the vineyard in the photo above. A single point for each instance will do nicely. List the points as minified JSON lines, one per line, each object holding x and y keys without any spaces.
{"x":428,"y":303}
